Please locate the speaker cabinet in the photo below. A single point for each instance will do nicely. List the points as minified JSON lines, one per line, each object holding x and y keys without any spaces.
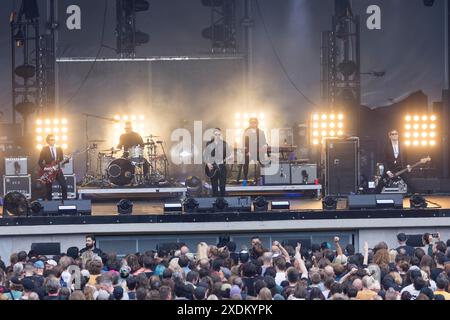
{"x":69,"y":207}
{"x":375,"y":201}
{"x":341,"y":162}
{"x":281,"y":177}
{"x":203,"y":205}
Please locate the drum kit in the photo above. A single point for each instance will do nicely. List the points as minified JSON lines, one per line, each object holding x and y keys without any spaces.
{"x":136,"y":166}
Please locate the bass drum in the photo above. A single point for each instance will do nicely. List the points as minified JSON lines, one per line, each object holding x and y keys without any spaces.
{"x":122,"y":171}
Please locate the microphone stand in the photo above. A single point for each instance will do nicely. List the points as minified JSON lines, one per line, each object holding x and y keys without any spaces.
{"x":86,"y":123}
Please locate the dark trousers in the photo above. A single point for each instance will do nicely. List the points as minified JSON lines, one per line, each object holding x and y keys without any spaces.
{"x":62,"y":182}
{"x":219,"y":181}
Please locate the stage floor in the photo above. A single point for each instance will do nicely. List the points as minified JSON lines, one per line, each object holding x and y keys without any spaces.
{"x":306,"y":204}
{"x":155,"y":207}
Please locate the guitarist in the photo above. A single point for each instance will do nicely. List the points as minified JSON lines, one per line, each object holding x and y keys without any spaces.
{"x":255,"y":145}
{"x":217,"y":152}
{"x":51,"y":154}
{"x":395,"y":158}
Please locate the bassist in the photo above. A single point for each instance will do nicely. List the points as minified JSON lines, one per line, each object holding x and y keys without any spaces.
{"x":51,"y":155}
{"x":395,"y":159}
{"x":217,"y":152}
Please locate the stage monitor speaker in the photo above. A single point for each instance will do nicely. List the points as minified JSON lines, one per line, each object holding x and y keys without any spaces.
{"x":394,"y":201}
{"x":205,"y":205}
{"x":362,"y":201}
{"x":47,"y":248}
{"x":341,"y":162}
{"x":375,"y":201}
{"x":69,"y":207}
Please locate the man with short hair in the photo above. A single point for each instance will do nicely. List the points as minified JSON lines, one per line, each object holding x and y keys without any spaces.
{"x":52,"y":287}
{"x":91,"y":245}
{"x":403,"y":247}
{"x":442,"y":285}
{"x":439,"y":258}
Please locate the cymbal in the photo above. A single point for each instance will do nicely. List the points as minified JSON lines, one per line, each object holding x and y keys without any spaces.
{"x":97,"y":140}
{"x":152,"y":136}
{"x":111,"y":150}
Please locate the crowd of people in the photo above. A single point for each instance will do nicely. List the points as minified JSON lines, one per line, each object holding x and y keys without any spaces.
{"x":325,"y":271}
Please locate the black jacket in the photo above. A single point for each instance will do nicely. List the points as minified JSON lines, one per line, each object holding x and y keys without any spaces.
{"x":390,"y":162}
{"x":45,"y":157}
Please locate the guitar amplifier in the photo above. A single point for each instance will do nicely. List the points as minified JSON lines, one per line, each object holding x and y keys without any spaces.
{"x":16,"y":166}
{"x":303,"y":173}
{"x":67,"y":169}
{"x":71,"y":181}
{"x":20,"y":184}
{"x":281,"y":177}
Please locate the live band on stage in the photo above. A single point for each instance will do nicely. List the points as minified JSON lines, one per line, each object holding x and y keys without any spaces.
{"x":135,"y":162}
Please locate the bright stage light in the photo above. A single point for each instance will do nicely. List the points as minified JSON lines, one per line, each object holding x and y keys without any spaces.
{"x":118,"y":128}
{"x":52,"y":126}
{"x":324,"y":125}
{"x":423,"y":128}
{"x":241,"y":122}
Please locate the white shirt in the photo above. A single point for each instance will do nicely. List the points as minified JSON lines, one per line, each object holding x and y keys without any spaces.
{"x":395,"y":148}
{"x":53,"y":152}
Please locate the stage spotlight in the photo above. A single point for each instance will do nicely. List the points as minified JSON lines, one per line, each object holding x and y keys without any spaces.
{"x":173,"y":207}
{"x":190,"y":205}
{"x":36,"y":208}
{"x":220,"y":204}
{"x":16,"y":204}
{"x":417,"y":201}
{"x":330,"y":125}
{"x":260,"y":204}
{"x":329,"y":203}
{"x":424,"y":127}
{"x":280,"y":205}
{"x":55,"y":126}
{"x":194,"y":186}
{"x":125,"y":206}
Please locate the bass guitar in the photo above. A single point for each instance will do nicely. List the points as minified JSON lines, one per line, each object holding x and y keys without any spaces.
{"x":212,"y":173}
{"x":388,"y":181}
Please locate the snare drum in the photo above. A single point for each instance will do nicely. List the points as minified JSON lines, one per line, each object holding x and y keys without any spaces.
{"x":136,"y":154}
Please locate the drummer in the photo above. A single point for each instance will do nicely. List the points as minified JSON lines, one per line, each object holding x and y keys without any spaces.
{"x":129,"y":139}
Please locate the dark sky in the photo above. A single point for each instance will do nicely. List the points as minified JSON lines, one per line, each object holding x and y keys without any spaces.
{"x":409,"y":47}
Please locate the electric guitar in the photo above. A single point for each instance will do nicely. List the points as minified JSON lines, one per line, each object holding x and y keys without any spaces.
{"x":213,"y":172}
{"x":390,"y":180}
{"x":50,"y":171}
